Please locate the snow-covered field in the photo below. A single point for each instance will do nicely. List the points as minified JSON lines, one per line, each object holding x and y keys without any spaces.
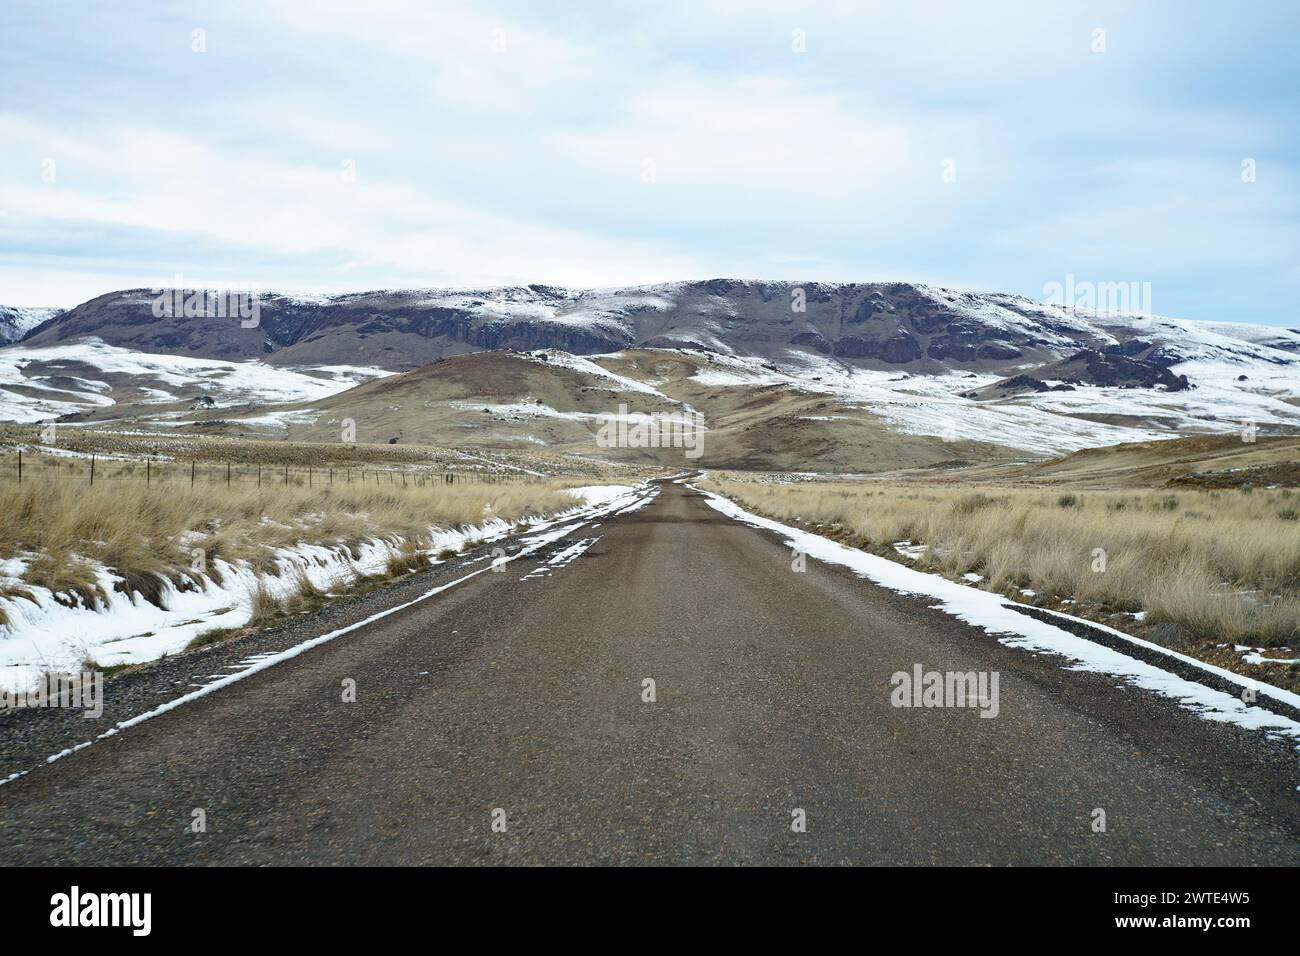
{"x":927,"y":404}
{"x":49,"y":635}
{"x":36,"y":384}
{"x":1045,"y":423}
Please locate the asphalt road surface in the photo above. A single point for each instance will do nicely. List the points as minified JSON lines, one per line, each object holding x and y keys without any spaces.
{"x":518,"y":699}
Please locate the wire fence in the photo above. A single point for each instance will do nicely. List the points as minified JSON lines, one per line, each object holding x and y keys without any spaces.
{"x":92,"y":469}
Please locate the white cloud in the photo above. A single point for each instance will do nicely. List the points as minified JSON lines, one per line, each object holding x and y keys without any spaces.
{"x":525,"y":163}
{"x":176,"y":186}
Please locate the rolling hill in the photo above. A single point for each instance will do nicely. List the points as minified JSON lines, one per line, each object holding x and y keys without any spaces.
{"x":867,"y":378}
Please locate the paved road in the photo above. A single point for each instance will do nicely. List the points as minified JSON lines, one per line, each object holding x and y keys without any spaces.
{"x":524,"y":691}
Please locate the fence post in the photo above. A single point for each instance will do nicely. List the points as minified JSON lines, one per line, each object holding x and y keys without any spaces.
{"x":148,"y":471}
{"x":192,"y":466}
{"x":20,"y":466}
{"x":92,"y":469}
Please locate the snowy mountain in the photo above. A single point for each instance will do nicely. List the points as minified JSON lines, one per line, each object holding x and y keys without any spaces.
{"x":812,"y":371}
{"x":870,"y":325}
{"x":15,"y":321}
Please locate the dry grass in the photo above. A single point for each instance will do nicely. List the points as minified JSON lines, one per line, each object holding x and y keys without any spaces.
{"x":265,"y":607}
{"x":147,"y":533}
{"x":122,"y":457}
{"x":1209,"y":565}
{"x":406,"y":559}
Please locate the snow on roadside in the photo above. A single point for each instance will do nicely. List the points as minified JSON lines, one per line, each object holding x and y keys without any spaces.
{"x":593,"y":495}
{"x":997,"y":615}
{"x":127,"y":629}
{"x":545,"y":534}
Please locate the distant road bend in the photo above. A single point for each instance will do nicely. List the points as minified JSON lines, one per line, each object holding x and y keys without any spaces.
{"x":507,"y":721}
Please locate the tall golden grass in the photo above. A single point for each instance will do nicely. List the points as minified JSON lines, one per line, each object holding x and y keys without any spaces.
{"x":1211,"y":565}
{"x":144,"y":533}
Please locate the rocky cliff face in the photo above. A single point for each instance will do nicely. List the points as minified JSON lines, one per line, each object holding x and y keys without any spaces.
{"x":1113,"y":368}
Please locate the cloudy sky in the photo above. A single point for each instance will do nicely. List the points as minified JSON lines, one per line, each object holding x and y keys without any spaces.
{"x":329,"y":146}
